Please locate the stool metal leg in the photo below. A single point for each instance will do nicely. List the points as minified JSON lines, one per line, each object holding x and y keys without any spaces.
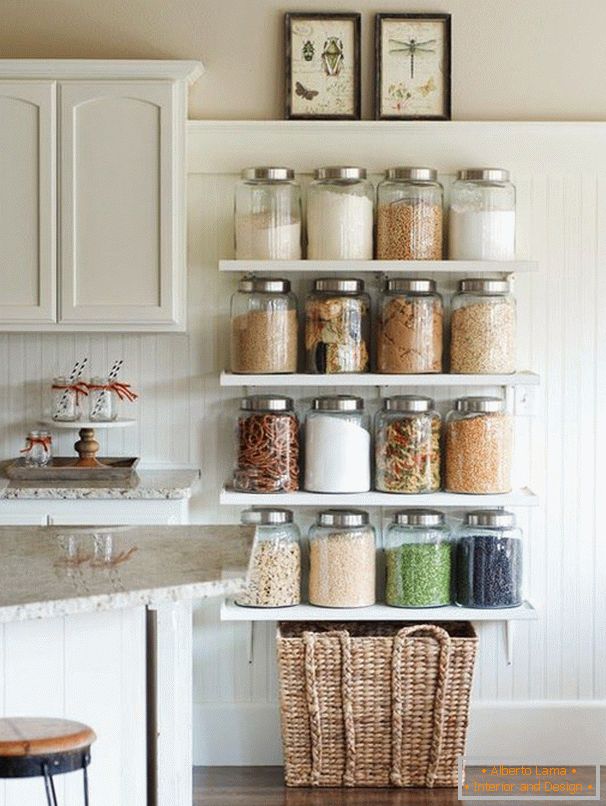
{"x":51,"y":795}
{"x":85,"y":771}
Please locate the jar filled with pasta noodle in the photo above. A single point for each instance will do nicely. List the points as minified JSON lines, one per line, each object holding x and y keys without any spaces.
{"x":267,"y":445}
{"x":337,"y":327}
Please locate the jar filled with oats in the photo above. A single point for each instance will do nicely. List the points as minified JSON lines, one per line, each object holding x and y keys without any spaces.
{"x":275,"y":567}
{"x":409,"y":215}
{"x":410,"y":327}
{"x":342,"y":559}
{"x":479,"y":441}
{"x":483,"y":328}
{"x":337,"y":327}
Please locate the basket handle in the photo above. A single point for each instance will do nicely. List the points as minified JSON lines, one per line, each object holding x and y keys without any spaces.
{"x":313,"y":706}
{"x":443,"y":639}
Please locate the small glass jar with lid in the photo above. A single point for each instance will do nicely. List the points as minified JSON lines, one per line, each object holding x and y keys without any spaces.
{"x":342,"y":559}
{"x":268,"y":215}
{"x":479,"y":440}
{"x":409,"y":215}
{"x":410,"y":327}
{"x":489,"y":560}
{"x":418,"y":559}
{"x":267,"y":445}
{"x":38,"y":449}
{"x":483,"y":328}
{"x":337,"y":327}
{"x":275,"y":567}
{"x":102,"y":400}
{"x":482,"y":218}
{"x":337,"y":446}
{"x":340,"y":214}
{"x":407,"y":445}
{"x":263,"y":327}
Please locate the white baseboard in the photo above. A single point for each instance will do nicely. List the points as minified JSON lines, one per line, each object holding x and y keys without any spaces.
{"x":555,"y":732}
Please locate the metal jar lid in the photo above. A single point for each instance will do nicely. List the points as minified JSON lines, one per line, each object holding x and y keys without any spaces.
{"x":419,"y":517}
{"x":411,"y":284}
{"x":343,"y":517}
{"x":266,"y":403}
{"x":340,"y":172}
{"x":484,"y":286}
{"x":490,"y":517}
{"x":266,"y":516}
{"x":414,"y":174}
{"x":341,"y":285}
{"x":408,"y":403}
{"x":484,"y":174}
{"x":273,"y":174}
{"x":479,"y":404}
{"x":338,"y":403}
{"x":258,"y":284}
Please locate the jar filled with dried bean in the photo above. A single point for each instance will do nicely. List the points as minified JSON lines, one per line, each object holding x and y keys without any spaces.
{"x":337,"y":327}
{"x":483,"y":328}
{"x":479,"y":437}
{"x":342,"y":559}
{"x":407,"y":445}
{"x":489,"y":560}
{"x":275,"y":566}
{"x":267,"y":446}
{"x":409,"y":216}
{"x":410,"y":328}
{"x":263,"y":327}
{"x":418,"y":560}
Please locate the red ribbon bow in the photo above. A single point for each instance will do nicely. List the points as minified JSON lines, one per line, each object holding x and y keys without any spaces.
{"x":123,"y":390}
{"x":31,"y":441}
{"x":80,"y":388}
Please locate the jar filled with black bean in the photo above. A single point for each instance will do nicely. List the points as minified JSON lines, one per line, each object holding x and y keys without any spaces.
{"x":489,"y":560}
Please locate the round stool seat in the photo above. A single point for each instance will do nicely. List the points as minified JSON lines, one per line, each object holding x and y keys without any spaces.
{"x":33,"y":736}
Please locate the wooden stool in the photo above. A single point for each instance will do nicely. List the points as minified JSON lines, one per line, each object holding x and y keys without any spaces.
{"x":31,"y":747}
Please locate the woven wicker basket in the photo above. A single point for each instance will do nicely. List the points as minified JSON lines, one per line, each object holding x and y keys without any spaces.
{"x":374,"y":704}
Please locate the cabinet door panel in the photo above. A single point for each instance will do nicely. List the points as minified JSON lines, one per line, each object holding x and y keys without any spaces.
{"x":27,"y":202}
{"x":119,"y":183}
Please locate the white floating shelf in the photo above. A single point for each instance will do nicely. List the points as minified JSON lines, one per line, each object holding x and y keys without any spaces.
{"x":379,"y":266}
{"x":370,"y":379}
{"x":76,"y":425}
{"x":518,"y":498}
{"x":230,"y":611}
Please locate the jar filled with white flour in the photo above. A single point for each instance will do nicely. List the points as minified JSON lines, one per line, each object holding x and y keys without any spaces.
{"x":340,"y":210}
{"x":268,"y":215}
{"x":482,"y":219}
{"x":337,"y":446}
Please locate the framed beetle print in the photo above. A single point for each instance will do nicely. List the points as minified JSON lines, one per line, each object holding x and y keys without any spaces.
{"x":322,"y":66}
{"x":412,"y":80}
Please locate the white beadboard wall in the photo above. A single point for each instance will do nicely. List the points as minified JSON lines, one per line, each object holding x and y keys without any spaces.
{"x":185,"y":418}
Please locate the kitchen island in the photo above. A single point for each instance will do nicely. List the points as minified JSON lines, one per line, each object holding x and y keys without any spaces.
{"x":95,"y":625}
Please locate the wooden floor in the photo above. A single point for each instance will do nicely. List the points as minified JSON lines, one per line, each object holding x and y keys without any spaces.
{"x":263,"y":786}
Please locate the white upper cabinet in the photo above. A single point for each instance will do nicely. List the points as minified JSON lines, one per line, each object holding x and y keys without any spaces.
{"x":94,"y":238}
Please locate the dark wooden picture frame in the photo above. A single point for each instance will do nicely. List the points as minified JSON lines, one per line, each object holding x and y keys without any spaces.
{"x":446,"y":61}
{"x":353,"y":18}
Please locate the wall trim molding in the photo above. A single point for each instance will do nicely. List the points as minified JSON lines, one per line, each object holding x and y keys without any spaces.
{"x":58,"y":69}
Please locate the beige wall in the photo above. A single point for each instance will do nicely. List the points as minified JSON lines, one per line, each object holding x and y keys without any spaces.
{"x":512,"y":59}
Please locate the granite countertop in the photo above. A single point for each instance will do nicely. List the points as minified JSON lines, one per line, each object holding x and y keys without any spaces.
{"x":149,"y":485}
{"x":50,"y":571}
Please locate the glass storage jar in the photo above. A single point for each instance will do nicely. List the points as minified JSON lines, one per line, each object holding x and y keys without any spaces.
{"x":337,"y":446}
{"x":65,"y":399}
{"x":479,"y":437}
{"x":268,"y":215}
{"x":38,"y":449}
{"x":102,"y":400}
{"x":482,"y":215}
{"x":489,"y":560}
{"x":342,"y":559}
{"x":337,"y":327}
{"x":407,"y":445}
{"x":275,"y":566}
{"x":410,"y":327}
{"x":340,"y":204}
{"x":418,"y":560}
{"x":409,"y":215}
{"x":267,"y":445}
{"x":483,"y":328}
{"x":263,"y":327}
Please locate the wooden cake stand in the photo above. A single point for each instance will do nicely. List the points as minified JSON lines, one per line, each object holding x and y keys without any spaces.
{"x":87,"y":446}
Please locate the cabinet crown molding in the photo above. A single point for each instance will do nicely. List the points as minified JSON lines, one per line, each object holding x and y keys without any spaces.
{"x":111,"y":69}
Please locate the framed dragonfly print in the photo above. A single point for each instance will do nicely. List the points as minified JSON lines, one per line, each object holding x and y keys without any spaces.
{"x":412,"y":80}
{"x":322,"y":66}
